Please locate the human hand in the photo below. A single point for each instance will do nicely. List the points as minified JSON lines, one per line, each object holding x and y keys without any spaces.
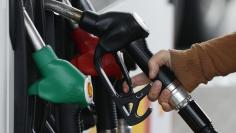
{"x":159,"y":59}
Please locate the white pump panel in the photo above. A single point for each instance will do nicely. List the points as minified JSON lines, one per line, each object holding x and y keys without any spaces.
{"x":6,"y":72}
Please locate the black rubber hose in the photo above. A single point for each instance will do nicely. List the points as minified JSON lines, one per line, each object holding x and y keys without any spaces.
{"x":196,"y":119}
{"x":105,"y":107}
{"x":69,"y":119}
{"x":191,"y":113}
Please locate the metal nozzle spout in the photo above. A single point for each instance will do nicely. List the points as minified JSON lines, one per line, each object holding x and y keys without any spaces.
{"x":63,"y":9}
{"x":32,"y":32}
{"x":67,"y":2}
{"x":73,"y":23}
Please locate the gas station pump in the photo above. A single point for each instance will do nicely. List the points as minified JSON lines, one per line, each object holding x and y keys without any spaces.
{"x":119,"y":31}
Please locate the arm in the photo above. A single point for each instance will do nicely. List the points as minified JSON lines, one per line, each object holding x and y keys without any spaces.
{"x":203,"y":61}
{"x":199,"y":64}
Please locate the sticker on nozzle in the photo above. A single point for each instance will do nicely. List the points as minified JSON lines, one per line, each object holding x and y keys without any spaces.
{"x":88,"y":90}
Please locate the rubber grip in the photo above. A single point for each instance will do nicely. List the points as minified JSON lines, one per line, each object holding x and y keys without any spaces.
{"x":196,"y":118}
{"x":139,"y":52}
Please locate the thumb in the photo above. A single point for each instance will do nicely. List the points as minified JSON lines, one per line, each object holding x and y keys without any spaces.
{"x":159,"y":59}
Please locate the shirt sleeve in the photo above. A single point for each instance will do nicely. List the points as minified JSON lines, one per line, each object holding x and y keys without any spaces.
{"x":203,"y":61}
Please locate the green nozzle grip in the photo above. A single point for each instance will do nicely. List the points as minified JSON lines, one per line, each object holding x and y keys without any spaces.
{"x":61,"y":82}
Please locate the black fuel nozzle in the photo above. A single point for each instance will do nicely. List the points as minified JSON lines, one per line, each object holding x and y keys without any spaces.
{"x":125,"y":31}
{"x":106,"y":29}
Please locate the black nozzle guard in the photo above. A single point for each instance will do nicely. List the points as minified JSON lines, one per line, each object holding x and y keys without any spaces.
{"x":130,"y":114}
{"x":132,"y":117}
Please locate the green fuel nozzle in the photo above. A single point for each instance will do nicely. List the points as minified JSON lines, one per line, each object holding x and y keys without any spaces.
{"x":61,"y":82}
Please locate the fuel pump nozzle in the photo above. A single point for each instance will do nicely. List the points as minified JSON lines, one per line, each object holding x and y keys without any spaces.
{"x":61,"y":82}
{"x":124,"y":31}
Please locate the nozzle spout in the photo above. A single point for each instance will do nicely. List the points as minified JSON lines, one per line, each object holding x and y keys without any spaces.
{"x":37,"y":41}
{"x":63,"y":9}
